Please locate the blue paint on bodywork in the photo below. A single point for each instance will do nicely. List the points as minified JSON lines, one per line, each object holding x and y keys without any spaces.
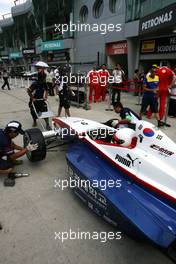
{"x":130,"y":207}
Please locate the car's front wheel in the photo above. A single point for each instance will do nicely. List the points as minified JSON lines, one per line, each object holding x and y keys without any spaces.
{"x":35,"y":136}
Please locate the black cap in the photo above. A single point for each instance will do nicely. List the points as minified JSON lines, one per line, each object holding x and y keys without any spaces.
{"x":14,"y":126}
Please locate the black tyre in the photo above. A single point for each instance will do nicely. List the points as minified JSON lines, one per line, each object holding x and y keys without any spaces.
{"x":35,"y":136}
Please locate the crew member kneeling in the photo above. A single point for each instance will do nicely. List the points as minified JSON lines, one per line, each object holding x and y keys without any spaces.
{"x":8,"y":156}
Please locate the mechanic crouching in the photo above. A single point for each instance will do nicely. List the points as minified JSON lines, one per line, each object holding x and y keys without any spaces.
{"x":8,"y":155}
{"x":128,"y":117}
{"x":38,"y":94}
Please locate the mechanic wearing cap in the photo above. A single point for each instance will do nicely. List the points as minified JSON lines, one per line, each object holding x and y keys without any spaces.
{"x":154,"y":68}
{"x":166,"y":80}
{"x":150,"y":85}
{"x":38,"y":94}
{"x":128,"y":117}
{"x":8,"y":156}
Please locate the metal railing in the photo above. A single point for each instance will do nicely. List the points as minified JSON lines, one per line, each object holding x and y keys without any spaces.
{"x":19,"y":2}
{"x":8,"y":15}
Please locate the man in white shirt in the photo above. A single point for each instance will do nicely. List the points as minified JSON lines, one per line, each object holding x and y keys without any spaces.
{"x":119,"y":76}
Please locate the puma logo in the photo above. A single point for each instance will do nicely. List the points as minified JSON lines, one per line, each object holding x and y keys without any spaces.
{"x":132,"y":160}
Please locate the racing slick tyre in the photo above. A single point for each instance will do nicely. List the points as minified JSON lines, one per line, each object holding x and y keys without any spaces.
{"x":35,"y":136}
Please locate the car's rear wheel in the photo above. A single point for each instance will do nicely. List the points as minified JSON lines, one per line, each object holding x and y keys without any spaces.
{"x":35,"y":136}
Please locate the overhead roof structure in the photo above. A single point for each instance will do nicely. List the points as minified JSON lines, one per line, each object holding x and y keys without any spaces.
{"x":6,"y":22}
{"x":32,"y":19}
{"x":22,"y":9}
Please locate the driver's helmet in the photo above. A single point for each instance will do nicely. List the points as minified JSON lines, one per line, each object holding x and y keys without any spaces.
{"x":124,"y":136}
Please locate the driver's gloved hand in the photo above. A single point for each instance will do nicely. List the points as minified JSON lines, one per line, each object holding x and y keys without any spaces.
{"x":32,"y":147}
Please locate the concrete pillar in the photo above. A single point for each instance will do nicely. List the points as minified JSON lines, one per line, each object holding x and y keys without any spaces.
{"x":25,"y":43}
{"x":25,"y":34}
{"x":133,"y":56}
{"x":5,"y":43}
{"x":44,"y":26}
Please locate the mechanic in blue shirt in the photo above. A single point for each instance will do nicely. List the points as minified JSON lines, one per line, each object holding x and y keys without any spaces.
{"x":151,"y":87}
{"x":8,"y":156}
{"x":38,"y":94}
{"x":128,"y":117}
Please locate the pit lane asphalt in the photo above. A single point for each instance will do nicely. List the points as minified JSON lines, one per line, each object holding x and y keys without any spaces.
{"x":33,"y":210}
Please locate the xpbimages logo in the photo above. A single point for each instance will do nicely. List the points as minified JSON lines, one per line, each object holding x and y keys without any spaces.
{"x":72,"y":79}
{"x":87,"y":235}
{"x":77,"y":27}
{"x":75,"y":181}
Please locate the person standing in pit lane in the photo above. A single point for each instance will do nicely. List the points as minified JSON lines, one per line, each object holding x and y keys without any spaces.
{"x":64,"y":91}
{"x":155,"y":68}
{"x":103,"y":82}
{"x":119,"y":76}
{"x":38,"y":94}
{"x":49,"y":81}
{"x":6,"y":80}
{"x":93,"y":82}
{"x":151,"y":86}
{"x":166,"y":79}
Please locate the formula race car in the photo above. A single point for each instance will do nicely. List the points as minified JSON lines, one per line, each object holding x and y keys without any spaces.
{"x":137,"y":165}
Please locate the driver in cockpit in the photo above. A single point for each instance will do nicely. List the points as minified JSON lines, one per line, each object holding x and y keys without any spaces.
{"x":123,"y":137}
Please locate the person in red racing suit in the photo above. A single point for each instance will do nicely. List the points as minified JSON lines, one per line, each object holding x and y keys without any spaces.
{"x":103,"y":75}
{"x":93,"y":81}
{"x":166,"y":78}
